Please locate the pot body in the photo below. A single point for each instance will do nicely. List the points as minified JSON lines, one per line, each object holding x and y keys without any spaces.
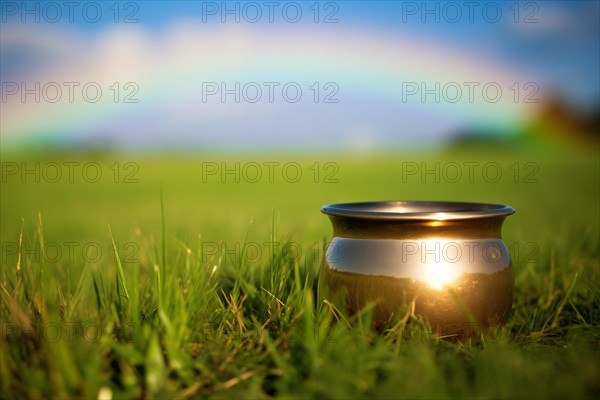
{"x":453,"y":273}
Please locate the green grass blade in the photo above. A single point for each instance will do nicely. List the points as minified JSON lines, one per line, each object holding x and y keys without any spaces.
{"x":120,"y":270}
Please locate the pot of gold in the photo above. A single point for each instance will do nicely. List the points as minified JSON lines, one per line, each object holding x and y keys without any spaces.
{"x":444,"y":261}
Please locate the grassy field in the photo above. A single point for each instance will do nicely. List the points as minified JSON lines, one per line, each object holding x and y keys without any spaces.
{"x":211,"y":292}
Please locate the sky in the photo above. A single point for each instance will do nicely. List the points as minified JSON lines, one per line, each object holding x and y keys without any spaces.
{"x":305,"y":74}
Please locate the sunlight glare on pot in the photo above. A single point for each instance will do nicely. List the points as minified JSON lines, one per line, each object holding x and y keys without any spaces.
{"x":440,"y":216}
{"x":440,"y":274}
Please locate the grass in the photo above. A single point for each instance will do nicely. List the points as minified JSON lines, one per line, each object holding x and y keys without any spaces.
{"x":184,"y":287}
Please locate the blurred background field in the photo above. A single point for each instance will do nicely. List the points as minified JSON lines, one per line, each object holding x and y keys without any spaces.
{"x":549,"y":346}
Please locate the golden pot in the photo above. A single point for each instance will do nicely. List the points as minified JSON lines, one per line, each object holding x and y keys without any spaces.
{"x":443,"y":261}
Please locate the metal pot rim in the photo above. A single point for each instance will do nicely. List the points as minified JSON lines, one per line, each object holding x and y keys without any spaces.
{"x":417,"y":210}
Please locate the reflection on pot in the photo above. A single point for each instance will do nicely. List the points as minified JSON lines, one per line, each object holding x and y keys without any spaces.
{"x":447,"y":260}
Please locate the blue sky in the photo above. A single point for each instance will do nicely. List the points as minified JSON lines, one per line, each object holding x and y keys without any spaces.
{"x":550,"y":43}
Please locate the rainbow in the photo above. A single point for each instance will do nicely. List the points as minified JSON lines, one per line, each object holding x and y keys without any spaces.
{"x":372,"y":67}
